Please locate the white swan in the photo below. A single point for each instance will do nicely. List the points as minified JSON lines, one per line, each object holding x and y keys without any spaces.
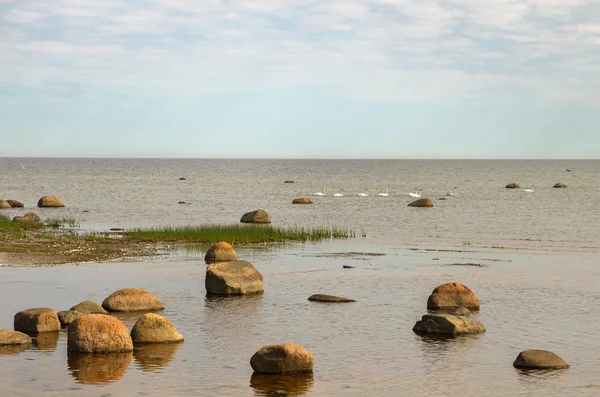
{"x":384,"y":194}
{"x":365,"y":194}
{"x":341,"y":194}
{"x":529,"y":190}
{"x":417,"y":193}
{"x":452,"y":194}
{"x":321,"y":193}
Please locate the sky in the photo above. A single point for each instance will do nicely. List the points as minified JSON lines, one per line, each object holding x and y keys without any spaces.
{"x":300,"y":78}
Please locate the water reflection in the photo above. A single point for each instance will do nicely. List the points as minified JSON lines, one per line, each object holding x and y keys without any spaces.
{"x":272,"y":385}
{"x":92,"y":369}
{"x":155,"y":357}
{"x":12,"y":349}
{"x":46,"y":341}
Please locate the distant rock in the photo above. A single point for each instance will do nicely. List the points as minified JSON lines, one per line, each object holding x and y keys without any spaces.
{"x":117,"y":229}
{"x":559,"y":185}
{"x":89,"y":307}
{"x":220,"y":252}
{"x":132,"y":300}
{"x":182,"y":179}
{"x":152,"y":328}
{"x":15,"y":203}
{"x":33,"y":321}
{"x":462,"y":311}
{"x":422,"y":202}
{"x":68,"y":316}
{"x":4,"y":204}
{"x":182,"y":202}
{"x":348,"y":267}
{"x":452,"y":296}
{"x":539,"y":359}
{"x":303,"y":200}
{"x":29,"y":217}
{"x":447,"y":324}
{"x":98,"y":333}
{"x":11,"y":338}
{"x":329,"y":299}
{"x":258,"y":216}
{"x":512,"y":186}
{"x":289,"y":182}
{"x":282,"y":358}
{"x":233,"y":278}
{"x":50,"y":201}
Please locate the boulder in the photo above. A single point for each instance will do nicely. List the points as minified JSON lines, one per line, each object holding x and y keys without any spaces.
{"x":452,"y":296}
{"x":302,"y":200}
{"x":33,"y":321}
{"x":29,"y":217}
{"x":512,"y":186}
{"x":462,"y":311}
{"x":447,"y":324}
{"x":89,"y":307}
{"x":97,"y":369}
{"x":559,"y":185}
{"x":11,"y":338}
{"x":132,"y":300}
{"x":539,"y":359}
{"x":152,"y":328}
{"x":15,"y":203}
{"x":329,"y":299}
{"x":220,"y":252}
{"x":5,"y":204}
{"x":422,"y":202}
{"x":233,"y":278}
{"x":258,"y":216}
{"x":98,"y":333}
{"x":50,"y":201}
{"x":282,"y":358}
{"x":68,"y":316}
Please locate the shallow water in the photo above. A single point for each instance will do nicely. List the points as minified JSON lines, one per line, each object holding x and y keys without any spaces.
{"x":528,"y":300}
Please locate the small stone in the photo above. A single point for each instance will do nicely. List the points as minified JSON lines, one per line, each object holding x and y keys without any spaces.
{"x":152,"y":328}
{"x":68,"y":316}
{"x":29,"y":217}
{"x":289,"y":182}
{"x":233,"y":278}
{"x":132,"y":300}
{"x":559,"y":185}
{"x":33,"y":321}
{"x":462,"y":311}
{"x":539,"y":359}
{"x":50,"y":201}
{"x":10,"y":338}
{"x":512,"y":186}
{"x":220,"y":252}
{"x":89,"y":307}
{"x":452,"y":296}
{"x":15,"y":203}
{"x":422,"y":202}
{"x":303,"y":200}
{"x":329,"y":298}
{"x":282,"y":358}
{"x":447,"y":324}
{"x":258,"y":216}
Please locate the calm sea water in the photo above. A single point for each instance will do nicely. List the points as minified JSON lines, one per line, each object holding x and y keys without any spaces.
{"x":537,"y":281}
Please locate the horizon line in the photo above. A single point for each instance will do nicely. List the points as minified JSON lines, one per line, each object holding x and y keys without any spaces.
{"x":307,"y":158}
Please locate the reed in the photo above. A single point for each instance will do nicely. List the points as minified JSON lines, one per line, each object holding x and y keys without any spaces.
{"x":239,"y":234}
{"x":61,"y":222}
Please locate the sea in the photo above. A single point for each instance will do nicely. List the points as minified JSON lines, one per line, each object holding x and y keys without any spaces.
{"x":531,"y":258}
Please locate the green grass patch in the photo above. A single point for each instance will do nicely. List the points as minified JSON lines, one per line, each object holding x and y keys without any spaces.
{"x":239,"y":234}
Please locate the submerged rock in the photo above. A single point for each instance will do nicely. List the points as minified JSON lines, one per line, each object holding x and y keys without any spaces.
{"x":462,"y":311}
{"x":33,"y":321}
{"x":329,"y":298}
{"x":10,"y":338}
{"x":68,"y":316}
{"x":539,"y":359}
{"x":258,"y":216}
{"x":29,"y":217}
{"x":282,"y":358}
{"x":89,"y":307}
{"x":302,"y":200}
{"x":233,"y":278}
{"x":452,"y":296}
{"x":447,"y":324}
{"x":98,"y":333}
{"x":50,"y":201}
{"x":422,"y":202}
{"x":152,"y":328}
{"x":220,"y":252}
{"x":132,"y":300}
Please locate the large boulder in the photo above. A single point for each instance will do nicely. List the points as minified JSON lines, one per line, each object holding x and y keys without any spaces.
{"x":447,"y":324}
{"x":422,"y":202}
{"x":559,"y":185}
{"x":50,"y":201}
{"x":89,"y":307}
{"x":233,"y":278}
{"x":132,"y":300}
{"x":452,"y":296}
{"x":68,"y":316}
{"x":15,"y":203}
{"x":539,"y":359}
{"x":302,"y":200}
{"x":98,"y":333}
{"x":152,"y":328}
{"x":5,"y":204}
{"x":220,"y":252}
{"x":33,"y":321}
{"x":282,"y":358}
{"x":512,"y":186}
{"x":10,"y":338}
{"x":29,"y":217}
{"x":329,"y":299}
{"x":258,"y":216}
{"x":97,"y":369}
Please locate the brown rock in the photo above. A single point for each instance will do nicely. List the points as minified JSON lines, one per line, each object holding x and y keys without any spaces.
{"x":220,"y":252}
{"x":282,"y":358}
{"x":329,"y":299}
{"x":96,"y":369}
{"x":33,"y":321}
{"x":29,"y":217}
{"x":4,"y":204}
{"x":512,"y":186}
{"x":89,"y":307}
{"x":258,"y":216}
{"x":152,"y":328}
{"x":10,"y":338}
{"x":462,"y":311}
{"x":539,"y":359}
{"x":233,"y":278}
{"x":559,"y":185}
{"x":98,"y":333}
{"x":15,"y":203}
{"x":132,"y":300}
{"x":50,"y":201}
{"x":447,"y":324}
{"x":452,"y":296}
{"x":303,"y":200}
{"x":422,"y":202}
{"x":68,"y":316}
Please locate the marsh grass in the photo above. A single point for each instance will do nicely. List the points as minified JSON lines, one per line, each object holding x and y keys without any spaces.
{"x":8,"y":225}
{"x":61,"y":222}
{"x":239,"y":234}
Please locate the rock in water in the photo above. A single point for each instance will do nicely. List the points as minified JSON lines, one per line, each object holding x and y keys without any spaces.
{"x":539,"y":359}
{"x":4,"y":204}
{"x":29,"y":217}
{"x":152,"y":328}
{"x":258,"y":216}
{"x":282,"y":358}
{"x":462,"y":311}
{"x":329,"y":299}
{"x":233,"y":278}
{"x":89,"y":307}
{"x":68,"y":316}
{"x":33,"y":321}
{"x":559,"y":185}
{"x":422,"y":202}
{"x":132,"y":300}
{"x":220,"y":252}
{"x":447,"y":324}
{"x":15,"y":203}
{"x":98,"y":333}
{"x":10,"y":338}
{"x":452,"y":296}
{"x":512,"y":186}
{"x":302,"y":200}
{"x":50,"y":201}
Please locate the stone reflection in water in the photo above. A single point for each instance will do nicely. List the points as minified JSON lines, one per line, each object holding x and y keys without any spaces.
{"x":90,"y":368}
{"x":155,"y":357}
{"x":12,"y":349}
{"x":46,"y":341}
{"x":293,"y":384}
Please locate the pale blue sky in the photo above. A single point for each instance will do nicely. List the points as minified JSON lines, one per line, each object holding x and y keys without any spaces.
{"x":341,"y":79}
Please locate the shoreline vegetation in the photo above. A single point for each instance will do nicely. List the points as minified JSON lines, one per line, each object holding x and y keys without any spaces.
{"x":51,"y":242}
